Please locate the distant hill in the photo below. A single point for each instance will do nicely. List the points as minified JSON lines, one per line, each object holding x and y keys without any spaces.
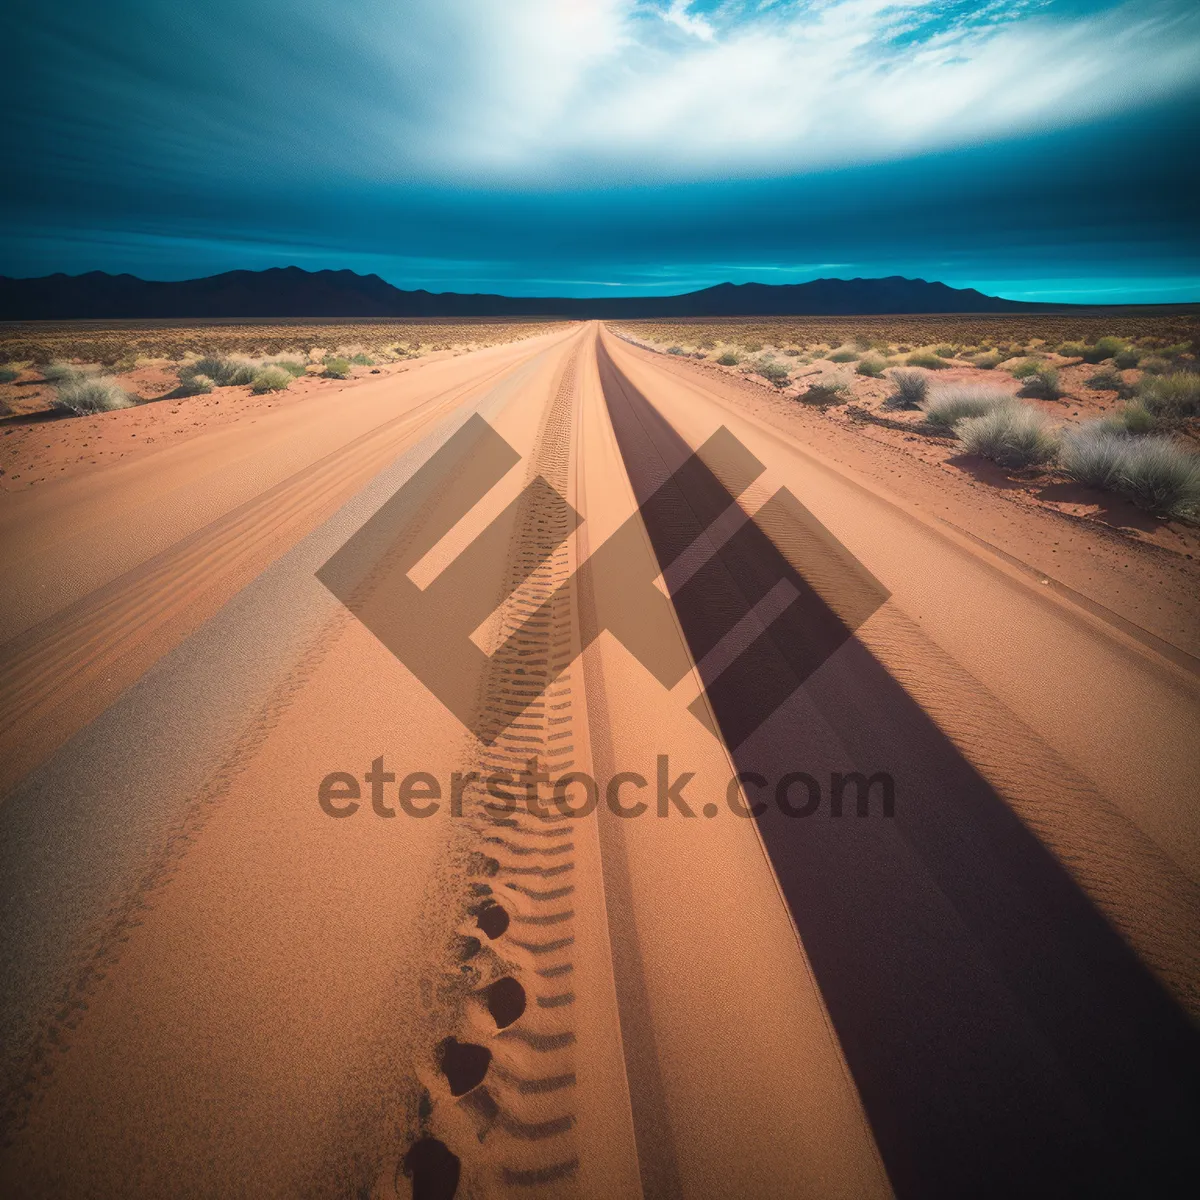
{"x":292,"y":292}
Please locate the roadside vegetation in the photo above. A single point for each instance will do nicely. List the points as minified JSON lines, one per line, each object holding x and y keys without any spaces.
{"x":1113,"y":408}
{"x":1155,"y":472}
{"x":911,"y":390}
{"x":83,"y":396}
{"x":55,"y":366}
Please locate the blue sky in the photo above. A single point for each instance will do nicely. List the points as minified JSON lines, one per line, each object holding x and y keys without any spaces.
{"x":1040,"y":149}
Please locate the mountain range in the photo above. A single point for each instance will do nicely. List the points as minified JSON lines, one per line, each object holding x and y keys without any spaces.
{"x":292,"y":292}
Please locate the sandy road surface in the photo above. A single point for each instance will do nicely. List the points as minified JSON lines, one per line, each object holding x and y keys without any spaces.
{"x":213,"y":987}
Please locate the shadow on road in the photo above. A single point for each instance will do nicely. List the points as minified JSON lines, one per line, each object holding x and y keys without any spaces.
{"x":1004,"y":1039}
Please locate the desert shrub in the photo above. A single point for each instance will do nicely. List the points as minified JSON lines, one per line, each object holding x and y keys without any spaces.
{"x":60,"y":373}
{"x":7,"y":374}
{"x":271,"y":379}
{"x":1023,"y":370}
{"x":752,"y":347}
{"x":337,"y":368}
{"x":241,"y":373}
{"x":362,"y":360}
{"x":1042,"y":383}
{"x":1105,"y":347}
{"x":1134,"y":417}
{"x":1013,"y":435}
{"x":988,"y":361}
{"x":843,"y":356}
{"x":1107,"y":380}
{"x":1072,"y":349}
{"x":912,"y":388}
{"x":923,"y":358}
{"x":210,"y":366}
{"x":792,"y":352}
{"x":871,"y":366}
{"x":671,"y":350}
{"x":1159,"y":475}
{"x":1174,"y":395}
{"x":944,"y":351}
{"x":1176,"y":350}
{"x":224,"y":372}
{"x":190,"y":385}
{"x":1154,"y":365}
{"x":83,"y":396}
{"x":1127,"y":357}
{"x":826,"y":391}
{"x":295,"y":369}
{"x":729,"y":359}
{"x":773,"y":371}
{"x":1154,"y":472}
{"x":1091,"y":453}
{"x":951,"y":403}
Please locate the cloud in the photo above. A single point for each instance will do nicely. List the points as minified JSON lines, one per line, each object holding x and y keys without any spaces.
{"x":501,"y":93}
{"x":679,"y":16}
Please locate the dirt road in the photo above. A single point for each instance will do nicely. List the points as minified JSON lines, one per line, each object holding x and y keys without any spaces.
{"x":290,"y":907}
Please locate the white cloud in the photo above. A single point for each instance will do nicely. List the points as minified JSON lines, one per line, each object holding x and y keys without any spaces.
{"x":607,"y":92}
{"x":564,"y":92}
{"x":679,"y":16}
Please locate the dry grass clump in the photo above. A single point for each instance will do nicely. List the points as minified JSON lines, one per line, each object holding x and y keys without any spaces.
{"x":1107,"y":380}
{"x":951,"y":403}
{"x":1013,"y":435}
{"x":912,"y":389}
{"x":871,"y":366}
{"x":85,"y":396}
{"x":1154,"y":365}
{"x":826,"y":392}
{"x":774,"y":372}
{"x":1133,"y":417}
{"x":1173,"y":395}
{"x":1043,"y":383}
{"x":223,"y":372}
{"x":271,"y":379}
{"x":729,"y":359}
{"x":923,"y":358}
{"x":1102,"y":348}
{"x":844,"y":355}
{"x":1154,"y":472}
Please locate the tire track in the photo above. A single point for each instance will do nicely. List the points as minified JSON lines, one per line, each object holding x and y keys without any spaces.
{"x":508,"y":1123}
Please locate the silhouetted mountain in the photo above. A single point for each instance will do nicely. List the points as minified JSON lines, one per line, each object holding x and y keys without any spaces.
{"x":292,"y":292}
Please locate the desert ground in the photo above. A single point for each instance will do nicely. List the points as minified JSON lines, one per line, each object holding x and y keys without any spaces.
{"x":268,"y":932}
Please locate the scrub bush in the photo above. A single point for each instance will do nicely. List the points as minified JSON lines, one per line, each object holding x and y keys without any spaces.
{"x":923,"y":358}
{"x":86,"y":396}
{"x":271,"y":379}
{"x":950,"y":404}
{"x":1043,"y":383}
{"x":912,"y":389}
{"x":1012,"y":435}
{"x":1174,"y":395}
